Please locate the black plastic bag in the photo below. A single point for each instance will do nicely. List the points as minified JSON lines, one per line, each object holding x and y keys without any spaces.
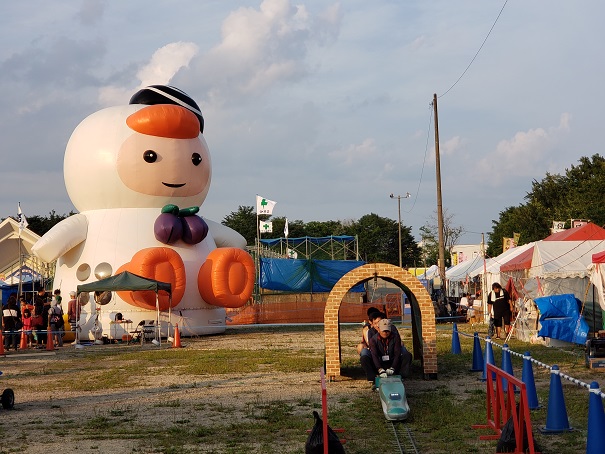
{"x":508,"y":442}
{"x":315,"y":443}
{"x":491,"y":329}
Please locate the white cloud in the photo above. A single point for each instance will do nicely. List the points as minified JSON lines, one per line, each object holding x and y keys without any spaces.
{"x":162,"y":67}
{"x":166,"y":62}
{"x":356,"y":153}
{"x":262,"y":47}
{"x":524,"y":155}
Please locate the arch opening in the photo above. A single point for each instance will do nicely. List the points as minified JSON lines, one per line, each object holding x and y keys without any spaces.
{"x":423,"y":315}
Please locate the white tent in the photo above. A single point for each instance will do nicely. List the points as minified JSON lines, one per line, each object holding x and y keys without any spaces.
{"x":459,"y":272}
{"x":431,"y":273}
{"x":492,"y":265}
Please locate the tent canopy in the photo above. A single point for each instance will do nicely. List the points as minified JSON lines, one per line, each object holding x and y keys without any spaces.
{"x":588,"y":231}
{"x":599,"y":257}
{"x":563,"y":259}
{"x":125,"y":281}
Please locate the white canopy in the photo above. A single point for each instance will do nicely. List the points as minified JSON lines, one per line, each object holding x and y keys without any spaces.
{"x":563,"y":259}
{"x":596,"y":269}
{"x":459,"y":272}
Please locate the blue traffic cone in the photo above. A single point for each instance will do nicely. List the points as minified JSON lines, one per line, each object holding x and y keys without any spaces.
{"x":477,"y":355}
{"x":595,"y":443}
{"x":507,"y":365}
{"x":527,"y":377}
{"x":455,"y":341}
{"x":556,"y":416}
{"x":489,"y":357}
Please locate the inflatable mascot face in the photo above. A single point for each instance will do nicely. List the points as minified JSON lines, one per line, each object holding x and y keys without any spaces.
{"x":138,"y":174}
{"x":146,"y":154}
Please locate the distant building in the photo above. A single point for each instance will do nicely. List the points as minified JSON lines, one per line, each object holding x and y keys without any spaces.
{"x":463,"y":252}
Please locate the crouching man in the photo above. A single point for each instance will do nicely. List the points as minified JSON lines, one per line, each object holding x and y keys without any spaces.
{"x":388,"y":356}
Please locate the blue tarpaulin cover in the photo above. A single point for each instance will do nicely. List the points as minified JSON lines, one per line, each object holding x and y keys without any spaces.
{"x":561,"y":318}
{"x":296,"y":275}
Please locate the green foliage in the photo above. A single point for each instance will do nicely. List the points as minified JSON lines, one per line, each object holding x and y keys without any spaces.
{"x":42,"y":224}
{"x":429,"y":233}
{"x":576,"y":195}
{"x":378,"y":236}
{"x":243,"y":221}
{"x":379,"y":240}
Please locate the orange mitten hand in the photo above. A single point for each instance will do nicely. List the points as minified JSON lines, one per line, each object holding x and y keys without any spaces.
{"x":226,"y":278}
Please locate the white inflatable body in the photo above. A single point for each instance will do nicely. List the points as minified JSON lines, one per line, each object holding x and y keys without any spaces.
{"x":120,"y":191}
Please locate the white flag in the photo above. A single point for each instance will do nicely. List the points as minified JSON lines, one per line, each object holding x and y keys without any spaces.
{"x":21,"y":218}
{"x":266,"y":227}
{"x":264,"y":206}
{"x":286,"y":228}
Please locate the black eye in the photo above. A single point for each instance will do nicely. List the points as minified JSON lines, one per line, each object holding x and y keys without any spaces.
{"x":150,"y":156}
{"x":196,"y":159}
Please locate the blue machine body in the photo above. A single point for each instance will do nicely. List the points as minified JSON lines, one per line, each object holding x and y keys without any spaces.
{"x":392,"y":398}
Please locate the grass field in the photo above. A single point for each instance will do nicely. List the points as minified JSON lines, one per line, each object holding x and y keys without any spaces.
{"x":254,"y":390}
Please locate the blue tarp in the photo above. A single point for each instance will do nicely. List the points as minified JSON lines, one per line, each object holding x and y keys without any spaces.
{"x":296,"y":275}
{"x":561,"y":319}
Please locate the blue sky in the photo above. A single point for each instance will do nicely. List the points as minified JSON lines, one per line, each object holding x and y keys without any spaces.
{"x":323,"y":107}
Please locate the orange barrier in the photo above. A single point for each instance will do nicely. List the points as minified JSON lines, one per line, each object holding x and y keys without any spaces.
{"x":501,"y":406}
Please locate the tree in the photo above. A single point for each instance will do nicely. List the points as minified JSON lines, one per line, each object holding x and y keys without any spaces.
{"x":378,"y":240}
{"x":429,"y":233}
{"x":42,"y":224}
{"x":576,"y":195}
{"x":243,"y":221}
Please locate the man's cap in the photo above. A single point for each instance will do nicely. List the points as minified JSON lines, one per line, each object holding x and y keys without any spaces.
{"x":384,"y":325}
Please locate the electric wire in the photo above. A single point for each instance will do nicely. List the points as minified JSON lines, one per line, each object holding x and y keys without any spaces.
{"x":473,"y":59}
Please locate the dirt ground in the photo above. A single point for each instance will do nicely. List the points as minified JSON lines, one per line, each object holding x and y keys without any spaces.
{"x":49,"y":416}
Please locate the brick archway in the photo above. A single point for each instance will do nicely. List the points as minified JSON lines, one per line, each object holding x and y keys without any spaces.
{"x":391,"y":273}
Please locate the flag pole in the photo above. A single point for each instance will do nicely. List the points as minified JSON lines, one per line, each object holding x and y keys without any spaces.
{"x":20,"y":286}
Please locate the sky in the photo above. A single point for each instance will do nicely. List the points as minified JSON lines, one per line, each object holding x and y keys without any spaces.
{"x":323,"y":107}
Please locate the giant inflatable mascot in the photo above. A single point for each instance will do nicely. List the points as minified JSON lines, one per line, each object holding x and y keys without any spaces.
{"x":138,"y":175}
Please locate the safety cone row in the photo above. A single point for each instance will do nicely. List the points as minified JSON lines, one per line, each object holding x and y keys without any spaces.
{"x":556,"y":416}
{"x":489,"y":357}
{"x":507,"y":365}
{"x":176,"y":343}
{"x":455,"y":341}
{"x":595,"y":442}
{"x":527,"y":377}
{"x":477,"y":354}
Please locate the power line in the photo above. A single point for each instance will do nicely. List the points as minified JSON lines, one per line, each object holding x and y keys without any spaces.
{"x":482,"y":44}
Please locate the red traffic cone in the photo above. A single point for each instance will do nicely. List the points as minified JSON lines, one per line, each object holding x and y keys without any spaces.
{"x":176,"y":343}
{"x":50,"y":343}
{"x":23,"y":345}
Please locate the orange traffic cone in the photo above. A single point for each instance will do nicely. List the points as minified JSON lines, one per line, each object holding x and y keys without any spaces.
{"x":176,"y":343}
{"x":50,"y":343}
{"x":1,"y":343}
{"x":23,"y":345}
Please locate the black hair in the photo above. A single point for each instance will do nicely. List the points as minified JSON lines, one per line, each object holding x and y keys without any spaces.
{"x":371,"y":310}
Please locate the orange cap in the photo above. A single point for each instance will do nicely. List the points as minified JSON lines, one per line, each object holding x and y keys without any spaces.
{"x":165,"y":120}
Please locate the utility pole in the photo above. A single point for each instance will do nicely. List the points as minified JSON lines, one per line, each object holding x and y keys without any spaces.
{"x":439,"y":203}
{"x":399,"y":197}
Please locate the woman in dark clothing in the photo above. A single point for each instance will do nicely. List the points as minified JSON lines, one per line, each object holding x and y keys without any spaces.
{"x":10,"y":318}
{"x":502,"y":308}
